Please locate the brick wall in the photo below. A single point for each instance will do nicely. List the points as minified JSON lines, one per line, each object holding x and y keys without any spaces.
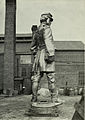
{"x":69,"y":56}
{"x":68,"y":65}
{"x":23,"y":48}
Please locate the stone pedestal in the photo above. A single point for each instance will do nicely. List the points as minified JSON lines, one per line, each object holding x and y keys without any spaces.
{"x":46,"y":109}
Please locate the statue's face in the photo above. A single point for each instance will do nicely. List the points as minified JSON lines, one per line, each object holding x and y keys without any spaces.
{"x":48,"y":21}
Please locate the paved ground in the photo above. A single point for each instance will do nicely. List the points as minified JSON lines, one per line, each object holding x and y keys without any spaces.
{"x":13,"y":108}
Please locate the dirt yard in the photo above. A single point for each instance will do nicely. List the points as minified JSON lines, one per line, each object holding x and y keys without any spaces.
{"x":14,"y":108}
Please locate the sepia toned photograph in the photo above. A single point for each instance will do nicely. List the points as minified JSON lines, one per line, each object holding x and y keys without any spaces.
{"x":42,"y":59}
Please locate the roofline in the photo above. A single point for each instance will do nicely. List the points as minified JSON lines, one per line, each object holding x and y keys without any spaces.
{"x":19,"y":41}
{"x":29,"y":35}
{"x":69,"y":50}
{"x":69,"y":41}
{"x":19,"y":35}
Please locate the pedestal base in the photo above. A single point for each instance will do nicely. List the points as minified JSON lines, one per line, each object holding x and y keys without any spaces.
{"x":44,"y":109}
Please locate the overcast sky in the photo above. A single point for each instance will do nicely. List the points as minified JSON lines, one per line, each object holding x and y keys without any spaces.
{"x":69,"y":17}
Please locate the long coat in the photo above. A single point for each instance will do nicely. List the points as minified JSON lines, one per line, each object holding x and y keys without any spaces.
{"x":39,"y":63}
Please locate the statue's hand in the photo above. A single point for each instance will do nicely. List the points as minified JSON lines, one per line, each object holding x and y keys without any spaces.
{"x":33,"y":50}
{"x":48,"y":58}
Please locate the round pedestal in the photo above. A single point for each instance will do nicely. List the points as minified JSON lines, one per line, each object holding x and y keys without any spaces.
{"x":44,"y":108}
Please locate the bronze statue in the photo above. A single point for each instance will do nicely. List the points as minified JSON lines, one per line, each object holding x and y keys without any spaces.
{"x":43,"y":50}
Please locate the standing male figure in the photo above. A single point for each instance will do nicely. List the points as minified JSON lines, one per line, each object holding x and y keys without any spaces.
{"x":44,"y":56}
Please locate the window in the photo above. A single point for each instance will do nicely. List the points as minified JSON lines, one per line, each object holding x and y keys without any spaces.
{"x":81,"y":78}
{"x":25,"y":59}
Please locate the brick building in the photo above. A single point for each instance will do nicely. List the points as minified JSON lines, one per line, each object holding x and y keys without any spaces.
{"x":69,"y":63}
{"x":69,"y":57}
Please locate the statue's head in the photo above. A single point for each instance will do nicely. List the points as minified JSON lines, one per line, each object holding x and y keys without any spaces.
{"x":46,"y":17}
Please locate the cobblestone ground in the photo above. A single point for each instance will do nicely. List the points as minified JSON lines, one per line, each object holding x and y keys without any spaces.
{"x":14,"y":108}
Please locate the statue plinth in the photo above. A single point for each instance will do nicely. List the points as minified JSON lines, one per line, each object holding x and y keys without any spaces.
{"x":44,"y":109}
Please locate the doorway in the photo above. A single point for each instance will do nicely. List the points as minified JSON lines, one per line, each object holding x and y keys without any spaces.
{"x":23,"y":67}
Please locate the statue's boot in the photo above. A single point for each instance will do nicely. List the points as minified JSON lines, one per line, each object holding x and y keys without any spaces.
{"x":34,"y":99}
{"x":55,"y":99}
{"x":34,"y":92}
